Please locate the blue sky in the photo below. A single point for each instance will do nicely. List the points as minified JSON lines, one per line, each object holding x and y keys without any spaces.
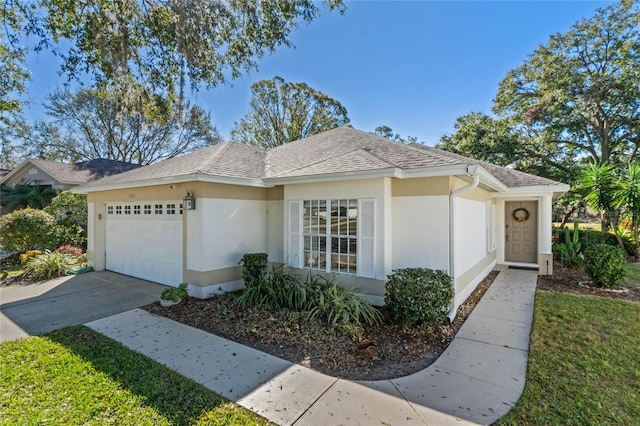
{"x":414,"y":66}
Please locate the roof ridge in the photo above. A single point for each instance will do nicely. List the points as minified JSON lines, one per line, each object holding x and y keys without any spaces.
{"x":304,"y":166}
{"x":214,"y":157}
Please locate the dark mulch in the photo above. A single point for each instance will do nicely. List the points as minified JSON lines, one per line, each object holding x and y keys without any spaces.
{"x":379,"y":352}
{"x":576,"y":281}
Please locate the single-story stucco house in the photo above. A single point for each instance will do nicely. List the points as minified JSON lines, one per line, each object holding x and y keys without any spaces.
{"x":345,"y":203}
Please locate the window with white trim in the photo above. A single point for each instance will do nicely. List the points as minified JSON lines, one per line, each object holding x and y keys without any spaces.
{"x":147,"y":209}
{"x":171,"y":209}
{"x":330,"y":235}
{"x":158,"y":209}
{"x":127,"y":209}
{"x":109,"y":209}
{"x":118,"y":209}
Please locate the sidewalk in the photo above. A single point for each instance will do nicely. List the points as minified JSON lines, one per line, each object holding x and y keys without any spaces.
{"x":476,"y":380}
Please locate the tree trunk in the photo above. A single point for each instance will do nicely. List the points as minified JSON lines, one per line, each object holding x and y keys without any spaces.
{"x":566,"y":217}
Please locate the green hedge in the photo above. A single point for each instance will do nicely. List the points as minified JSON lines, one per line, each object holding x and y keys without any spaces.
{"x":418,"y":296}
{"x":605,"y":265}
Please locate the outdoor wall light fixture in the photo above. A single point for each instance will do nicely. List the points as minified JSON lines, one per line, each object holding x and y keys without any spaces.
{"x":189,"y":201}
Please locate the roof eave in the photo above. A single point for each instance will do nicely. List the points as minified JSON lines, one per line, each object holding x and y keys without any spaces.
{"x":22,"y":166}
{"x":535,"y":190}
{"x":193,"y":177}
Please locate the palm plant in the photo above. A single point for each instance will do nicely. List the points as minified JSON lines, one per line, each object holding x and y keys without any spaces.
{"x":598,"y":180}
{"x":23,"y":195}
{"x":627,"y":198}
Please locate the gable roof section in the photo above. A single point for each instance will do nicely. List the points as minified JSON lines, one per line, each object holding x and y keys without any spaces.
{"x":227,"y":160}
{"x":335,"y":154}
{"x":74,"y":174}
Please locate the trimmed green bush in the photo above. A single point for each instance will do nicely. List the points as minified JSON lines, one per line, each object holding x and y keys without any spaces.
{"x":27,"y":229}
{"x":418,"y":296}
{"x":605,"y":265}
{"x":70,"y":234}
{"x":253,"y":266}
{"x":49,"y":265}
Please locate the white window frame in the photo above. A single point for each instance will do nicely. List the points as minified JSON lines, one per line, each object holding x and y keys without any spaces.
{"x":365,"y":237}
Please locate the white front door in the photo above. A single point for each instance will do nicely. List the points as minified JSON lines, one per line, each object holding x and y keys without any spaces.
{"x":521,"y":231}
{"x":144,"y":240}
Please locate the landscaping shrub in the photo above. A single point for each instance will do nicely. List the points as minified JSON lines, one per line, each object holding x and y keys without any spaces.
{"x":27,"y":229}
{"x":339,"y":306}
{"x":70,"y":234}
{"x":253,"y":266}
{"x":418,"y":296}
{"x":28,"y":255}
{"x":561,"y":253}
{"x":275,"y":289}
{"x":49,"y":265}
{"x":605,"y":265}
{"x":72,"y":251}
{"x":318,"y":296}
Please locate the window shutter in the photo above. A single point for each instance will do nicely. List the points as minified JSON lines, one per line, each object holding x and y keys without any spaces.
{"x":366,"y":233}
{"x":293,"y":257}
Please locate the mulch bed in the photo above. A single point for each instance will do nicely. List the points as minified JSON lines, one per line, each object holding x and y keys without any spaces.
{"x":576,"y":281}
{"x":380,"y":352}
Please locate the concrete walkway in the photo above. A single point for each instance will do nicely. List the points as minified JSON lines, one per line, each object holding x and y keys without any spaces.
{"x":476,"y":380}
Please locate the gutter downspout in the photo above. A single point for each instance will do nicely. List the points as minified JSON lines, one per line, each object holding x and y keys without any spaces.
{"x":471,"y":170}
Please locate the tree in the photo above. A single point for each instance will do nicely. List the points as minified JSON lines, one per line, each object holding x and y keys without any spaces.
{"x":24,"y":195}
{"x":142,"y":49}
{"x":282,"y":112}
{"x":484,"y":138}
{"x":69,"y":208}
{"x":13,"y":76}
{"x":387,"y":132}
{"x":88,"y":124}
{"x":578,"y":95}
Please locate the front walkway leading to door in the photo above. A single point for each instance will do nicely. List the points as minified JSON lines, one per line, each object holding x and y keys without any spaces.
{"x":477,"y":379}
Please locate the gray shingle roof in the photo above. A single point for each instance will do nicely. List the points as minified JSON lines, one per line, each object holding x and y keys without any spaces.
{"x":84,"y":171}
{"x":229,"y":159}
{"x":340,"y":150}
{"x":510,"y":177}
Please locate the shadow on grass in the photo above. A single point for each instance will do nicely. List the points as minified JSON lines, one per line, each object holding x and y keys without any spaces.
{"x":179,"y":399}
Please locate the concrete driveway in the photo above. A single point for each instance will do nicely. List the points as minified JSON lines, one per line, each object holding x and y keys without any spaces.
{"x":39,"y":308}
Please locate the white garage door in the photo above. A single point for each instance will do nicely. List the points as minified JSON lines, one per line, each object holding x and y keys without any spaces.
{"x":144,"y":240}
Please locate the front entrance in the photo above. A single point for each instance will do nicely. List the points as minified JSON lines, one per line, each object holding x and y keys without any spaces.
{"x":521,"y":231}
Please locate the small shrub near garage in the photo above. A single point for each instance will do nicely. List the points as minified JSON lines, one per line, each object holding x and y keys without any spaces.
{"x":27,"y":229}
{"x":253,"y":266}
{"x":418,"y":296}
{"x":605,"y":265}
{"x":50,"y":265}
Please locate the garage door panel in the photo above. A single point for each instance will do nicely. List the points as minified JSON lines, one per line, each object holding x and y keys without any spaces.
{"x":147,"y":246}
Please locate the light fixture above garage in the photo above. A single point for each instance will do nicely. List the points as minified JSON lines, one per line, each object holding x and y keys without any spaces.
{"x":189,"y":201}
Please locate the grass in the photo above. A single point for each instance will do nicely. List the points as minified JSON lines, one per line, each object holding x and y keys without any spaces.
{"x":632,"y":274}
{"x":78,"y":376}
{"x":583,"y":365}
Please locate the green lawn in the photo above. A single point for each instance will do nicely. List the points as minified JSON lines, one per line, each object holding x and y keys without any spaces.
{"x":77,"y":376}
{"x":584,"y":366}
{"x":632,"y":277}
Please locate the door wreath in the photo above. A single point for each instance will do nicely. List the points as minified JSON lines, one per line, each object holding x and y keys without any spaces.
{"x":521,"y":214}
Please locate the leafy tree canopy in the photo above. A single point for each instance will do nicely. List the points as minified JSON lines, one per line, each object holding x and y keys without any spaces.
{"x":387,"y":132}
{"x":146,"y":48}
{"x":578,"y":95}
{"x":282,"y":112}
{"x":88,"y":124}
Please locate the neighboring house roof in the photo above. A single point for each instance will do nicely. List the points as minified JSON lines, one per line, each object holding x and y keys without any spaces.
{"x":74,"y":174}
{"x":341,"y":151}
